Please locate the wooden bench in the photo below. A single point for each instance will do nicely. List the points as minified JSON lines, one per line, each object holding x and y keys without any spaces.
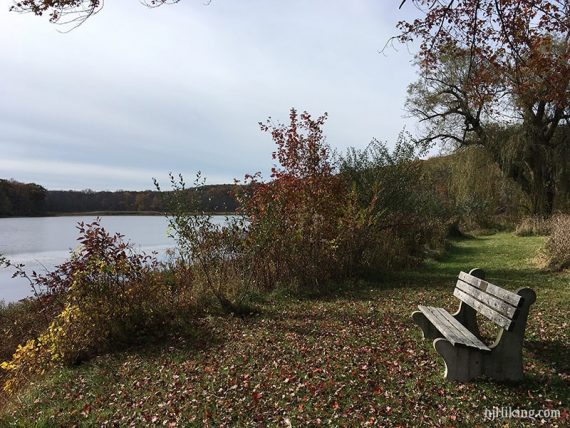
{"x":457,"y":337}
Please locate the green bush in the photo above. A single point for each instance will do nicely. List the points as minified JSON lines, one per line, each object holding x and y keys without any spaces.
{"x":410,"y":219}
{"x":210,"y":253}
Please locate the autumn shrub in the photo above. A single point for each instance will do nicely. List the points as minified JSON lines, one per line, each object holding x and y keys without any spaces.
{"x":305,"y":225}
{"x":105,"y":296}
{"x":534,"y":226}
{"x":19,"y":322}
{"x":318,"y":218}
{"x":22,"y":320}
{"x":302,"y":227}
{"x":410,"y":220}
{"x":557,"y":246}
{"x":207,"y":251}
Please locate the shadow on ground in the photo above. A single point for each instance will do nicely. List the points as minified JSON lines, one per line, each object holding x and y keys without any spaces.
{"x":554,"y":353}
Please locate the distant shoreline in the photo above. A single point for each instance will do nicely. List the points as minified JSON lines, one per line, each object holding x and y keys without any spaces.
{"x":32,"y":200}
{"x":114,"y":213}
{"x":105,"y":213}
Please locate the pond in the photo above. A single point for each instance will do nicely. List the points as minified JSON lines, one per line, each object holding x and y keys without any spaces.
{"x":41,"y":243}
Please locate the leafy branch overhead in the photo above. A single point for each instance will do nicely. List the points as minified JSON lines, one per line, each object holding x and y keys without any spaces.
{"x":524,"y":40}
{"x":73,"y":12}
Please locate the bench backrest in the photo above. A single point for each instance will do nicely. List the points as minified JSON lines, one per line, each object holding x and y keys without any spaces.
{"x":493,"y":302}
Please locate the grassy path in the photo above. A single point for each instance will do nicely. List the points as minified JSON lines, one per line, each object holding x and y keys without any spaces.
{"x":351,"y":358}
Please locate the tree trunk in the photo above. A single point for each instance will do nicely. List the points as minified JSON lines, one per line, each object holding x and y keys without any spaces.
{"x":539,"y":161}
{"x":542,"y":197}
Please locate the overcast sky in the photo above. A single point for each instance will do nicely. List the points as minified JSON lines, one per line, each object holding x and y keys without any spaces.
{"x":135,"y":92}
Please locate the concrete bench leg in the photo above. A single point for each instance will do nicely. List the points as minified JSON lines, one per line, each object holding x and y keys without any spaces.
{"x":461,"y":363}
{"x":428,"y":329}
{"x":504,"y":366}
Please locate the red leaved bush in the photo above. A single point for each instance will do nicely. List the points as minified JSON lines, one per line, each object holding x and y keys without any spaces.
{"x":303,"y":222}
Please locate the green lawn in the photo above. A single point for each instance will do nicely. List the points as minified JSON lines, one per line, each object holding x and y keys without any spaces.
{"x":351,"y":358}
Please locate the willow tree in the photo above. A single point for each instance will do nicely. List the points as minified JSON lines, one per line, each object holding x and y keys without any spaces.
{"x":496,"y":73}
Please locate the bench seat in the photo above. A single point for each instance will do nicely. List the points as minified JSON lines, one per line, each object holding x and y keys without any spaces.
{"x":451,"y":329}
{"x":456,"y":337}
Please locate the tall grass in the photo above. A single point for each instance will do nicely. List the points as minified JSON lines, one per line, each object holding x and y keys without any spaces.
{"x":534,"y":226}
{"x":558,"y":243}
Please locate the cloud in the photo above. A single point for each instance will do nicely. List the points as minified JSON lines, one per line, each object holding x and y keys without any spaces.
{"x":74,"y":174}
{"x":139,"y":91}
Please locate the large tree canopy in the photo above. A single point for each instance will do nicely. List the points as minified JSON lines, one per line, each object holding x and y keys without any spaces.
{"x":492,"y":65}
{"x":524,"y":40}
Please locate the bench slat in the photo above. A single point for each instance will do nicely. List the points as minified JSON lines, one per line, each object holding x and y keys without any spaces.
{"x":433,"y":314}
{"x":465,"y":336}
{"x":439,"y":321}
{"x":483,"y":309}
{"x":452,"y":329}
{"x":506,"y":295}
{"x":498,"y":305}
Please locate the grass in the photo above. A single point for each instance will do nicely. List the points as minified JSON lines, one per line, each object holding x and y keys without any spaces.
{"x":352,"y":357}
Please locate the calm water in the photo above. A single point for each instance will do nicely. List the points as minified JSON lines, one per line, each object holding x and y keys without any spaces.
{"x":44,"y":242}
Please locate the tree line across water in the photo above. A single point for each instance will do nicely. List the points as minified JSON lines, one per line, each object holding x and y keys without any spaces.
{"x":469,"y":185}
{"x":30,"y":199}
